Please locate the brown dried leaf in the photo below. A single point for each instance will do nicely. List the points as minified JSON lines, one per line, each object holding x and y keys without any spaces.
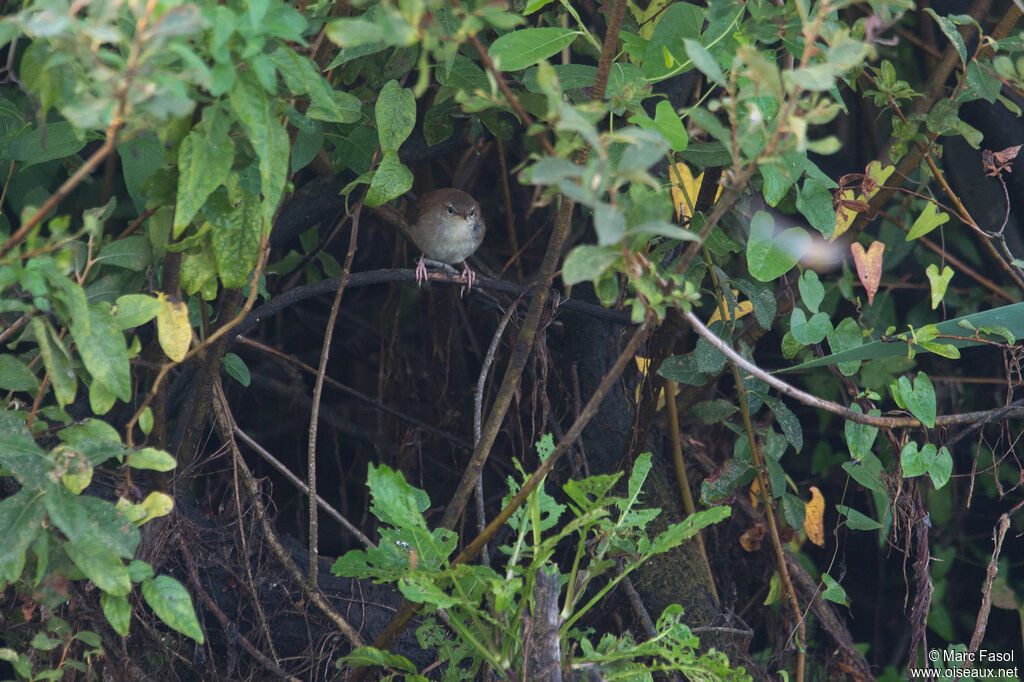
{"x":752,"y":537}
{"x":869,"y":266}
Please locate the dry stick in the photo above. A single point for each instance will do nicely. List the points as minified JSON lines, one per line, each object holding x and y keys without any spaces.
{"x":998,"y":533}
{"x":226,"y":623}
{"x":297,"y":482}
{"x":671,"y":388}
{"x":478,"y":408}
{"x":764,"y":488}
{"x":225,"y":423}
{"x":828,"y":406}
{"x":334,"y":383}
{"x":510,"y":218}
{"x":314,"y":412}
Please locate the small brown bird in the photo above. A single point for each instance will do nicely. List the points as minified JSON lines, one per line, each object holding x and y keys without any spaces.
{"x":448,"y":229}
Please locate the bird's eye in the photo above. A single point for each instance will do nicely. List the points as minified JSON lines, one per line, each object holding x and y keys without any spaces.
{"x":451,"y":209}
{"x":472,"y":213}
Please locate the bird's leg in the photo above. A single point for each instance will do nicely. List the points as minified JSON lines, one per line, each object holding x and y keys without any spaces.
{"x":421,"y":271}
{"x":468,"y":276}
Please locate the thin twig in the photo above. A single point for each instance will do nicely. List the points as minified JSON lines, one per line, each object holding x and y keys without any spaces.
{"x":314,"y":412}
{"x":478,"y":408}
{"x":827,"y":405}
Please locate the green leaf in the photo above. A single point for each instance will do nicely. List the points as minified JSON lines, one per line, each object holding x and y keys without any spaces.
{"x":236,"y":368}
{"x":519,"y":49}
{"x":812,"y":292}
{"x":104,"y":352}
{"x":834,"y":592}
{"x":787,"y":421}
{"x":763,"y":299}
{"x":368,"y":656}
{"x":814,"y":200}
{"x":920,"y":399}
{"x":675,"y":534}
{"x":171,"y":603}
{"x":391,"y":180}
{"x":609,"y":224}
{"x":938,"y":282}
{"x":588,"y":263}
{"x":267,"y":135}
{"x":118,"y":612}
{"x":132,"y":253}
{"x":722,"y":484}
{"x":666,"y":122}
{"x":930,"y":218}
{"x":677,"y":23}
{"x":713,"y":411}
{"x":770,"y":256}
{"x":1010,"y":317}
{"x":867,"y":471}
{"x":302,"y":76}
{"x":860,"y":438}
{"x":151,"y":458}
{"x":235,"y":240}
{"x":16,"y":376}
{"x":846,"y":336}
{"x":134,"y":310}
{"x":811,"y":331}
{"x":204,"y":161}
{"x":949,"y":28}
{"x":55,"y":140}
{"x":703,"y":60}
{"x":395,"y":113}
{"x":915,"y":461}
{"x":856,"y":520}
{"x":100,"y":565}
{"x":941,"y":468}
{"x":21,"y":520}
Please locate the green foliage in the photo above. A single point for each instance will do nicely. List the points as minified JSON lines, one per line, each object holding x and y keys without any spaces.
{"x":486,"y":608}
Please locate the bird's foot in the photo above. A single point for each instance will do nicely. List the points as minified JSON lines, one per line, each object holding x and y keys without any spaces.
{"x":468,"y":277}
{"x":421,"y":271}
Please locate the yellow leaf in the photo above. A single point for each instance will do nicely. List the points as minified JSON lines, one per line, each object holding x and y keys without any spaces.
{"x":156,"y":504}
{"x":642,"y":364}
{"x":173,"y":328}
{"x":814,"y":514}
{"x":685,"y":189}
{"x":742,"y":308}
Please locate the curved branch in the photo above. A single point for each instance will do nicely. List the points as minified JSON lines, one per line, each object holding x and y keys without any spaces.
{"x":827,"y":405}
